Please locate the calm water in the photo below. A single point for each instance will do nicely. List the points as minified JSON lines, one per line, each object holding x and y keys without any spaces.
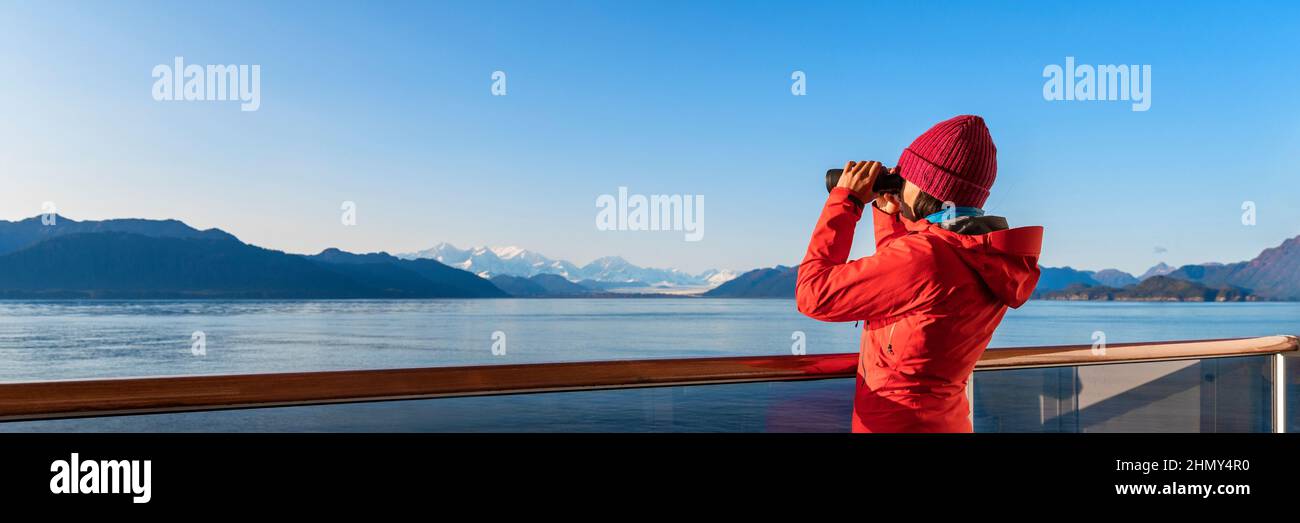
{"x":62,"y":340}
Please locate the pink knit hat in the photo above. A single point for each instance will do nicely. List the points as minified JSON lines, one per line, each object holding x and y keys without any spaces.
{"x":954,"y":161}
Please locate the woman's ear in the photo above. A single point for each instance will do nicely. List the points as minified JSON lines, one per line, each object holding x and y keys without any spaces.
{"x":888,"y":203}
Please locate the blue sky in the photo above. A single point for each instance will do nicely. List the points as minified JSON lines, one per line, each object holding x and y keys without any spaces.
{"x":388,"y":105}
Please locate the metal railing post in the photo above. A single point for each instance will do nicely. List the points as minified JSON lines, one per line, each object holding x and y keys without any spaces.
{"x":970,"y":399}
{"x":1279,"y":393}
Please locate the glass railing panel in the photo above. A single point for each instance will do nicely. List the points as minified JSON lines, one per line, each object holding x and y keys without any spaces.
{"x":1026,"y":400}
{"x":1241,"y":393}
{"x":1293,"y":393}
{"x":1211,"y":395}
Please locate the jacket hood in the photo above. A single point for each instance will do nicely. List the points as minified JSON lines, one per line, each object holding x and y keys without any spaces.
{"x":1005,"y":259}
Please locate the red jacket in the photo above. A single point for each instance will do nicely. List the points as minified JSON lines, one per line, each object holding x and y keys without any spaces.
{"x":930,"y":299}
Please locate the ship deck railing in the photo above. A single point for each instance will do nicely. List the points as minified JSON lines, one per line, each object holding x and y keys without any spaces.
{"x":57,"y":399}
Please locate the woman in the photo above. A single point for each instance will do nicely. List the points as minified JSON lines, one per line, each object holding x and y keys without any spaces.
{"x":941,"y":278}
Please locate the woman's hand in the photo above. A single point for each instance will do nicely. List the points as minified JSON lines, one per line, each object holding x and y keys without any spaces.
{"x":859,"y":177}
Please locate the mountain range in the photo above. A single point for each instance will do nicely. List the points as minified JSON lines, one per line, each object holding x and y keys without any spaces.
{"x":138,"y":259}
{"x":1155,"y":288}
{"x":24,"y":233}
{"x":1273,"y":275}
{"x":133,"y":259}
{"x":540,"y":285}
{"x":774,"y":282}
{"x":608,"y":273}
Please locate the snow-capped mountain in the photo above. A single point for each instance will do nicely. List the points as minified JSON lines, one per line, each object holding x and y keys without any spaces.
{"x":489,"y":262}
{"x":515,"y":261}
{"x":1159,"y":269}
{"x":717,"y":277}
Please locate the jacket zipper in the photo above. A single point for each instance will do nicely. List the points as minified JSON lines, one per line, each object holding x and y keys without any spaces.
{"x":889,"y":348}
{"x":889,"y":342}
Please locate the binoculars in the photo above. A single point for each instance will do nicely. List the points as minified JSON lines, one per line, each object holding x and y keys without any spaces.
{"x":885,"y":183}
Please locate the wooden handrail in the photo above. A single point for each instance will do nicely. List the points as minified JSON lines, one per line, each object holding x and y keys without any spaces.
{"x":103,"y":397}
{"x":1085,"y":355}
